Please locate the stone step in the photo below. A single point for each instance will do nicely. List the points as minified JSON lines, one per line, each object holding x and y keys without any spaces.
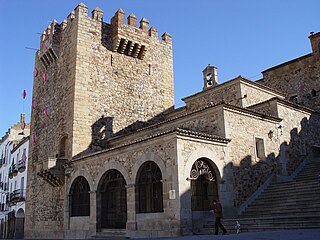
{"x":112,"y":234}
{"x":286,"y":205}
{"x":266,"y":199}
{"x":270,"y":208}
{"x":270,"y":198}
{"x":294,"y":183}
{"x":269,"y":223}
{"x":302,"y":212}
{"x":294,"y":186}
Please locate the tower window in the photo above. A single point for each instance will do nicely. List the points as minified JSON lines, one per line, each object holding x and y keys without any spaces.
{"x":260,"y":151}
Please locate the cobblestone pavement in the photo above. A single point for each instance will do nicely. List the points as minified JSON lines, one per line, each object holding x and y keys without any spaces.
{"x":307,"y":234}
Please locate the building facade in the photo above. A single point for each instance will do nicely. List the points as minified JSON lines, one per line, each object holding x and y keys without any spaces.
{"x":110,"y":153}
{"x":13,"y":181}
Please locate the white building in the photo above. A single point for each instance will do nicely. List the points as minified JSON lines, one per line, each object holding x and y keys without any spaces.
{"x":13,"y":163}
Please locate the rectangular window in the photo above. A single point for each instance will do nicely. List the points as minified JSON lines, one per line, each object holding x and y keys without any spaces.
{"x":260,"y":151}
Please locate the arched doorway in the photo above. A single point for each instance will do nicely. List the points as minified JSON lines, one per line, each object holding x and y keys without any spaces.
{"x":19,"y":226}
{"x":204,"y":187}
{"x":112,"y":201}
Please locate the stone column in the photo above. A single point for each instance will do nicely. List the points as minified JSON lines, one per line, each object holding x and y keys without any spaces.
{"x":131,"y":208}
{"x":93,"y":212}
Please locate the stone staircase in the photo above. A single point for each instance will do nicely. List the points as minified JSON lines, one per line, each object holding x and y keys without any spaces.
{"x":287,"y":205}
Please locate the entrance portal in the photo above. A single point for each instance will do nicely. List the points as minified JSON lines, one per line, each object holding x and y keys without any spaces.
{"x":113,"y":201}
{"x":204,"y":187}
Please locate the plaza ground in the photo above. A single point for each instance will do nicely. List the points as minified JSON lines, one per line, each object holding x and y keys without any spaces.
{"x":306,"y":234}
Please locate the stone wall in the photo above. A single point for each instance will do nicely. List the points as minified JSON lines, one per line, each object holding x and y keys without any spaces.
{"x":253,"y":93}
{"x":118,"y":86}
{"x":208,"y":120}
{"x":51,"y":120}
{"x":250,"y":171}
{"x":295,"y":132}
{"x":300,"y":131}
{"x":239,"y":92}
{"x":228,"y":93}
{"x":298,"y":80}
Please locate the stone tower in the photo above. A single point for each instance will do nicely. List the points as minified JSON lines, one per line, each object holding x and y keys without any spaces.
{"x":92,"y":81}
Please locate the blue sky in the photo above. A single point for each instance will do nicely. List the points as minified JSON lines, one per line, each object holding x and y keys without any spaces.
{"x":242,"y":37}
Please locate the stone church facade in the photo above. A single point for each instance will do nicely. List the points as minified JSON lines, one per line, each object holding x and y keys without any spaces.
{"x":109,"y":151}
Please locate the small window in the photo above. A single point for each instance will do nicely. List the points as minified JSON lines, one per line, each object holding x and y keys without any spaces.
{"x":62,"y":150}
{"x":294,"y":98}
{"x":260,"y":148}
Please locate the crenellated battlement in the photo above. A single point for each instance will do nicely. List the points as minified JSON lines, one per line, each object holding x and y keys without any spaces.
{"x":129,"y":39}
{"x":49,"y":45}
{"x":126,"y":37}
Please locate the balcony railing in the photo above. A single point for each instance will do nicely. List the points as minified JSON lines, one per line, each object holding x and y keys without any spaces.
{"x":13,"y":170}
{"x":17,"y":196}
{"x":21,"y":165}
{"x":3,"y":207}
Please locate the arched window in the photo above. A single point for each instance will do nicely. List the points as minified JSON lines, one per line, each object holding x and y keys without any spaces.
{"x":149,"y":195}
{"x":80,"y":197}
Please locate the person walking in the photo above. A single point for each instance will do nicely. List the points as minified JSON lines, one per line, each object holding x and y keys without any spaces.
{"x":217,"y":209}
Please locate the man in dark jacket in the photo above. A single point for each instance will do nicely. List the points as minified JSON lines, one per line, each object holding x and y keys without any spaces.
{"x":217,"y":209}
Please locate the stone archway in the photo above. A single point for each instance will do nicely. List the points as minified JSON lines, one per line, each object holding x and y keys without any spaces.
{"x":112,"y":201}
{"x":204,"y":181}
{"x":204,"y":186}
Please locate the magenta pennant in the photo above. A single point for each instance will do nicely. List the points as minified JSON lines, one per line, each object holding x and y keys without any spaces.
{"x":33,"y":104}
{"x":36,"y":72}
{"x":34,"y":138}
{"x":24,"y":94}
{"x":45,"y":76}
{"x":46,"y":111}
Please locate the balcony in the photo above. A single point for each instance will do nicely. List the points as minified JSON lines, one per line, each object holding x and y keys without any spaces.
{"x":52,"y":170}
{"x":3,"y":207}
{"x":16,"y":196}
{"x":21,"y":165}
{"x":13,"y":170}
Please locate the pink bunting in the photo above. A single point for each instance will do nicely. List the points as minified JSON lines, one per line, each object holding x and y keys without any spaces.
{"x":46,"y":111}
{"x":34,"y":138}
{"x":45,"y":76}
{"x":24,"y":94}
{"x":33,"y":104}
{"x":36,"y":72}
